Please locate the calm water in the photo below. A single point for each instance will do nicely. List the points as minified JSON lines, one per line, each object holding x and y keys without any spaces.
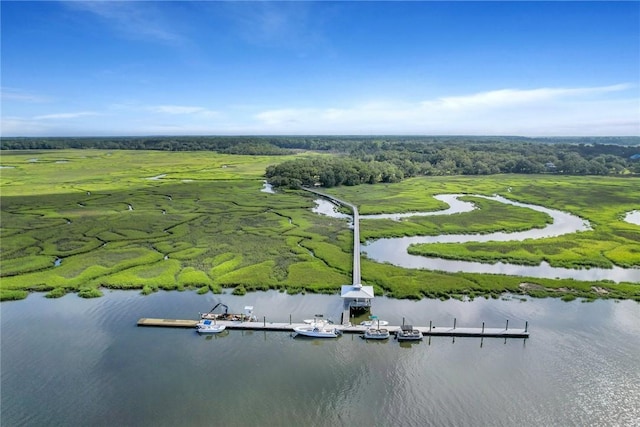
{"x":394,"y":250}
{"x":71,"y":361}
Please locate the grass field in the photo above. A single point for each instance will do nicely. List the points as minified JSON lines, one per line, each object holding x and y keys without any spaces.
{"x":183,"y":220}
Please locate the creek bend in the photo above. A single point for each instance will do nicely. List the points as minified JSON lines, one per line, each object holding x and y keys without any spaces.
{"x":394,"y":250}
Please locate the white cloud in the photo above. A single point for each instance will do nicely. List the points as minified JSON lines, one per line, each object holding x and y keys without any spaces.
{"x":64,"y":116}
{"x":510,"y":97}
{"x":182,"y":109}
{"x":533,"y":112}
{"x":581,"y":111}
{"x":294,"y":25}
{"x":12,"y":94}
{"x":132,"y":19}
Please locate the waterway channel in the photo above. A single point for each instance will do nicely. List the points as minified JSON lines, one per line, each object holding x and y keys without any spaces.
{"x":73,"y":361}
{"x":394,"y":250}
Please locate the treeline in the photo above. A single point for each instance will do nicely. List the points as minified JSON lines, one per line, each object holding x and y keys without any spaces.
{"x":331,"y":171}
{"x":229,"y":145}
{"x":370,"y":159}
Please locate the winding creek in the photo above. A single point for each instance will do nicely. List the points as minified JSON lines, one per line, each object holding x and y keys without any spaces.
{"x":394,"y":250}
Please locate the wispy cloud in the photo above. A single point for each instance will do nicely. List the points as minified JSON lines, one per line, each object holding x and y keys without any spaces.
{"x":182,"y":109}
{"x":13,"y":94}
{"x":65,"y":116}
{"x":142,"y":20}
{"x":292,"y":25}
{"x":510,"y":97}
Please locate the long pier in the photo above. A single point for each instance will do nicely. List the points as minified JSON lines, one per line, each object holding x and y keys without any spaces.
{"x":356,"y":231}
{"x":444,"y":331}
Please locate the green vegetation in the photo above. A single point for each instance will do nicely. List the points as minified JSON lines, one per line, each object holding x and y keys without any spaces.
{"x":160,"y":220}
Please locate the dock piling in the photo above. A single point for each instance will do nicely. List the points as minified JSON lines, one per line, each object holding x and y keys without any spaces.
{"x":483,"y":327}
{"x":454,"y":323}
{"x":507,"y":327}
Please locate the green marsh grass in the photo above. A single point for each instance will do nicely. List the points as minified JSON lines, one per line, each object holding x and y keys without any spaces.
{"x":205,"y":213}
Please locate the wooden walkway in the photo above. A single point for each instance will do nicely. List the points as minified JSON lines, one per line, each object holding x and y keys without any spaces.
{"x":445,"y":331}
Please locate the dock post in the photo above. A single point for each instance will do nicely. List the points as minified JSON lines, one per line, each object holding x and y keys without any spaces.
{"x":403,"y":321}
{"x":430,"y":325}
{"x":483,"y":327}
{"x":507,"y":327}
{"x":264,"y":321}
{"x":289,"y":319}
{"x":526,"y":325}
{"x":454,"y":323}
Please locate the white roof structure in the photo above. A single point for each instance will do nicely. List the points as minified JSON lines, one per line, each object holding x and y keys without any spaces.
{"x":357,"y":291}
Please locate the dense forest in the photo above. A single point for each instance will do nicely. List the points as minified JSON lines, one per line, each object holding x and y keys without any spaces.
{"x":370,"y":159}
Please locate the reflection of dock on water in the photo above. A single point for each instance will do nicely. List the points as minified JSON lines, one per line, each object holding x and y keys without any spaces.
{"x":445,"y":331}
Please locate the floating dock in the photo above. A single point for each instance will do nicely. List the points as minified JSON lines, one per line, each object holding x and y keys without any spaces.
{"x":444,"y":331}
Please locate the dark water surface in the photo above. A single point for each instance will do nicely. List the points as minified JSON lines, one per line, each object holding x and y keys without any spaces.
{"x":76,"y":362}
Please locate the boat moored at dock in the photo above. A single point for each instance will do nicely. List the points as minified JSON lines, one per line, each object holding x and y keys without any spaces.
{"x":318,"y":328}
{"x":209,"y":327}
{"x":408,"y":333}
{"x":376,"y":334}
{"x":247,"y":316}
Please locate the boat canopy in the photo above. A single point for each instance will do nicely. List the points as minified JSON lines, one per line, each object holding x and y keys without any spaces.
{"x":357,"y":292}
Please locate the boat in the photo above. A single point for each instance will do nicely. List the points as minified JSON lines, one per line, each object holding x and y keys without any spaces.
{"x":317,"y":331}
{"x":408,"y":333}
{"x":376,"y":334}
{"x":374,"y":323}
{"x":318,"y":320}
{"x":209,"y":327}
{"x":247,"y":316}
{"x":373,"y":332}
{"x":318,"y":328}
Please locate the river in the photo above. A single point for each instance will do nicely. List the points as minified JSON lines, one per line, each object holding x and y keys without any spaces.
{"x":394,"y":250}
{"x":72,"y":361}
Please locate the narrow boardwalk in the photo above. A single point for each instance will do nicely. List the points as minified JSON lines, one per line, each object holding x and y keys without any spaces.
{"x":356,"y":231}
{"x":445,"y":331}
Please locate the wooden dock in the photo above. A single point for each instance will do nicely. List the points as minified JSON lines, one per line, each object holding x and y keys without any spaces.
{"x":445,"y":331}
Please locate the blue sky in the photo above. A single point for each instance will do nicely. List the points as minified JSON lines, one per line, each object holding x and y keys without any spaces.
{"x":350,"y":67}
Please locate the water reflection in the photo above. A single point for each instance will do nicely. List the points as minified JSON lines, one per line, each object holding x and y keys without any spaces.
{"x":579,"y":367}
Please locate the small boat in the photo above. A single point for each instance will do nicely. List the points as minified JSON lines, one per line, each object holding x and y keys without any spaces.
{"x":408,"y":333}
{"x":317,"y":331}
{"x":369,"y":323}
{"x":247,"y":316}
{"x":317,"y":321}
{"x":376,"y":334}
{"x":319,"y":328}
{"x":209,"y":327}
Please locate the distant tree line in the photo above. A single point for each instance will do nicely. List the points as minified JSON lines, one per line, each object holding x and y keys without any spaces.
{"x":371,"y":159}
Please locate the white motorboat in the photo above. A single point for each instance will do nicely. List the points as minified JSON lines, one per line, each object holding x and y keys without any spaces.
{"x":408,"y":333}
{"x":209,"y":327}
{"x":317,"y":330}
{"x":370,"y":323}
{"x":376,"y":334}
{"x":317,"y":321}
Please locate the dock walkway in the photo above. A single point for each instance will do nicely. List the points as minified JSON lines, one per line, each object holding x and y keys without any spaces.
{"x":445,"y":331}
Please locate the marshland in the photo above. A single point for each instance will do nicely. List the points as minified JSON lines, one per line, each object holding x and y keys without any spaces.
{"x":82,"y":221}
